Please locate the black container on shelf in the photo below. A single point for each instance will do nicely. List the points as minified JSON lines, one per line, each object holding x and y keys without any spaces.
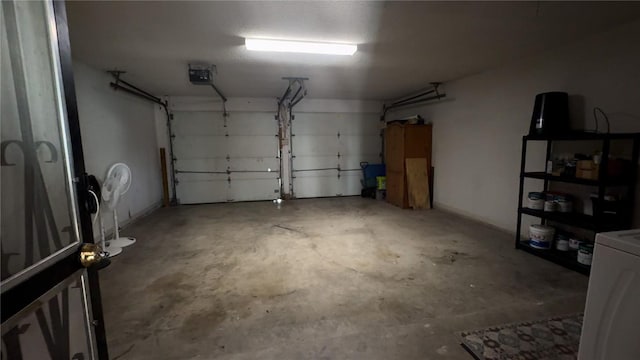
{"x":550,"y":114}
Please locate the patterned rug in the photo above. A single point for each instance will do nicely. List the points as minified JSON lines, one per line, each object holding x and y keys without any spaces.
{"x":552,"y":339}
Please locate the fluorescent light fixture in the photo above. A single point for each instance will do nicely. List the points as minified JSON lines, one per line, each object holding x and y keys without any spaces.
{"x":300,"y":47}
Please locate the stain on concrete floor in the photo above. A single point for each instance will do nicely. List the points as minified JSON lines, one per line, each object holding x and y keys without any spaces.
{"x":343,"y":278}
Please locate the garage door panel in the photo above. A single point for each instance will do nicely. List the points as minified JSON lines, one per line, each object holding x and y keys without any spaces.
{"x":211,"y":164}
{"x":356,"y":124}
{"x":316,"y":124}
{"x":326,"y":183}
{"x":252,"y":146}
{"x":350,"y":162}
{"x":254,"y":189}
{"x":252,"y":124}
{"x":202,"y":188}
{"x":253,"y":176}
{"x":316,"y":184}
{"x":315,"y":162}
{"x":254,"y":164}
{"x":350,"y":183}
{"x":359,"y":141}
{"x":315,"y":145}
{"x":198,"y":123}
{"x":199,"y":177}
{"x":199,"y":147}
{"x":353,"y":145}
{"x":247,"y":143}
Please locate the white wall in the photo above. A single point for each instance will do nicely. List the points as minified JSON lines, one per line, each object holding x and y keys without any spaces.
{"x":118,"y":127}
{"x":478,"y":130}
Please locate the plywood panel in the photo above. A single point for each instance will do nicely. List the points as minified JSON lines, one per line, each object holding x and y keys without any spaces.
{"x":417,"y":183}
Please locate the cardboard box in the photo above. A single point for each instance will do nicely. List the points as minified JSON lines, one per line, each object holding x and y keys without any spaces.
{"x":586,"y":169}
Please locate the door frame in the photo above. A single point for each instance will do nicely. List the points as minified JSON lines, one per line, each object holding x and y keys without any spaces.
{"x":41,"y":283}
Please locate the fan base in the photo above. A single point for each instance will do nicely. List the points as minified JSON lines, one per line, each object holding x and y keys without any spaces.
{"x":112,"y":250}
{"x":122,"y":242}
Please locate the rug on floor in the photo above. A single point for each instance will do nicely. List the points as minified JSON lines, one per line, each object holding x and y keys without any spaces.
{"x":551,"y":339}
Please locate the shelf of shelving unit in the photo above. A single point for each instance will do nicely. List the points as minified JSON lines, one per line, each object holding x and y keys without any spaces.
{"x":575,"y":219}
{"x":574,"y":180}
{"x":598,"y":222}
{"x":580,"y":135}
{"x":567,"y":259}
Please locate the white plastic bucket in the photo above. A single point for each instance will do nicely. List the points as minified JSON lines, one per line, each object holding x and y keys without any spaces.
{"x":535,"y":204}
{"x":541,"y":236}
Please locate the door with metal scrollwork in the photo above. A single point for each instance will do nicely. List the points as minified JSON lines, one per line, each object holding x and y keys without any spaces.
{"x":50,"y":301}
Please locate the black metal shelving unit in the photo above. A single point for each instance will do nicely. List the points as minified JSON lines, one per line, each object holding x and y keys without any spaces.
{"x":598,"y":222}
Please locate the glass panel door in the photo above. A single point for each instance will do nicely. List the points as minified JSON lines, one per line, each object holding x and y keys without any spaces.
{"x":38,"y":201}
{"x":46,"y":302}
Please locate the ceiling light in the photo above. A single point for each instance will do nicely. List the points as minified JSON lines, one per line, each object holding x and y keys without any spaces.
{"x":300,"y":47}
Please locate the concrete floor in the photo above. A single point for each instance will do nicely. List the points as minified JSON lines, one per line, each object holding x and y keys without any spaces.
{"x":343,"y":278}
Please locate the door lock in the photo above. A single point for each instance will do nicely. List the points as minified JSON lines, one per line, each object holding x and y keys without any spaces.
{"x":92,"y":256}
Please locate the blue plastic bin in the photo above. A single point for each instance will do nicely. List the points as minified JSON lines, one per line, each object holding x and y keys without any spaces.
{"x":370,"y":172}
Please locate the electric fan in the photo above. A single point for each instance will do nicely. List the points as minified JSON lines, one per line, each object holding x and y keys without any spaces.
{"x":115,"y":185}
{"x":94,"y":207}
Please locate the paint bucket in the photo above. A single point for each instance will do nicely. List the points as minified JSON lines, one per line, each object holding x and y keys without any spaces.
{"x":585,"y":254}
{"x":535,"y":201}
{"x":574,"y":243}
{"x":564,"y":206}
{"x":535,"y":204}
{"x":541,"y":236}
{"x":534,"y":195}
{"x":550,"y":206}
{"x":562,"y":242}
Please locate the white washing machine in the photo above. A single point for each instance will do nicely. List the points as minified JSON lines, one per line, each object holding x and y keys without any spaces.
{"x":611,"y":328}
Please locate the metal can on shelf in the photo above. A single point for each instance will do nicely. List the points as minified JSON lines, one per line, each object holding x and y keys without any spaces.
{"x":535,"y":201}
{"x":564,"y":206}
{"x":585,"y":254}
{"x":574,"y":243}
{"x":562,"y":242}
{"x":550,"y":206}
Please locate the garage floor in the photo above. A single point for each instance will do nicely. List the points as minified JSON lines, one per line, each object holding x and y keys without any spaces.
{"x":341,"y":278}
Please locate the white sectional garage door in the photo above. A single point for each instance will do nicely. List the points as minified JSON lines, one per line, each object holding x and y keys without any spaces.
{"x":218,"y":162}
{"x":322,"y":143}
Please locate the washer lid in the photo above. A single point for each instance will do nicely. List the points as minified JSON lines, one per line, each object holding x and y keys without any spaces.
{"x":626,"y":240}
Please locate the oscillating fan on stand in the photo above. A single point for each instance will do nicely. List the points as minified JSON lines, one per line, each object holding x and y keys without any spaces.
{"x":93,"y":186}
{"x":115,"y":185}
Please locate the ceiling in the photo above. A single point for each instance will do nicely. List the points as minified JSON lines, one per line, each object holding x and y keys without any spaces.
{"x":402,"y":46}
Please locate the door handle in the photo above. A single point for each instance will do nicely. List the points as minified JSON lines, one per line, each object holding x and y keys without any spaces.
{"x":92,"y":256}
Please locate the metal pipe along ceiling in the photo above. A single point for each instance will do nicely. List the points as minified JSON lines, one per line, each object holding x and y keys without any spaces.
{"x":421,"y":97}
